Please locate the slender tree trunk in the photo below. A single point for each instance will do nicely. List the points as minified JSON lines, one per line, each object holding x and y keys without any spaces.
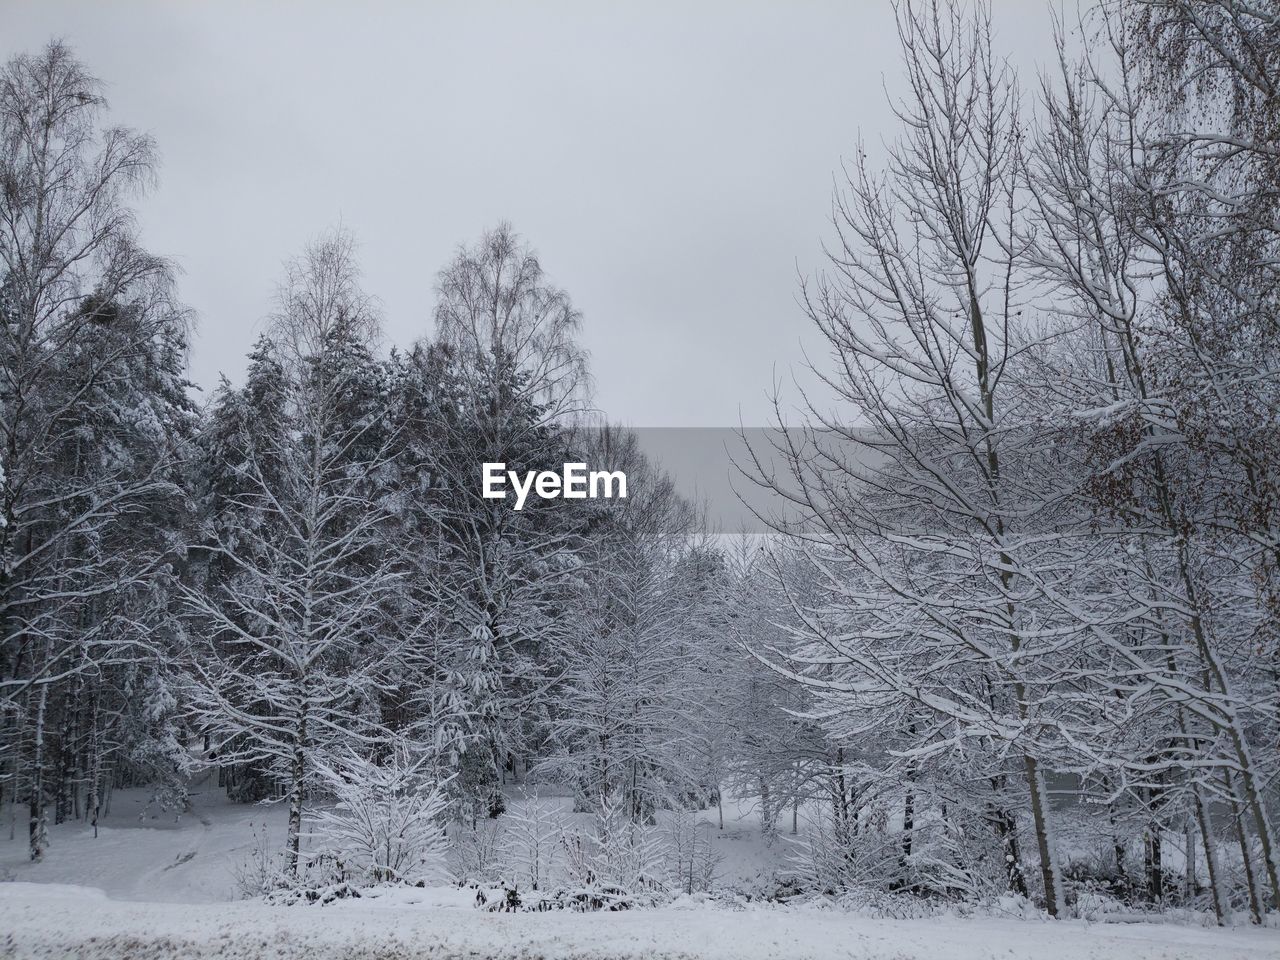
{"x":1154,"y":843}
{"x":1117,"y":845}
{"x":1044,"y":838}
{"x":1246,"y":855}
{"x":1040,"y":812}
{"x":1153,"y":861}
{"x":38,"y":834}
{"x":1007,"y":829}
{"x":1231,"y":721}
{"x":766,"y":811}
{"x":95,"y":764}
{"x":1189,"y":883}
{"x":908,"y":809}
{"x":297,"y":778}
{"x":1197,"y":793}
{"x":1210,"y":855}
{"x":908,"y":828}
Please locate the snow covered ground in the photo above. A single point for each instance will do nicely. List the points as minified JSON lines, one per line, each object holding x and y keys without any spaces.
{"x":53,"y":920}
{"x":157,"y":886}
{"x":143,"y":852}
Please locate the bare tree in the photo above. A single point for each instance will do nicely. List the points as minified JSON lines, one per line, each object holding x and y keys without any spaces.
{"x":919,"y":496}
{"x":1153,"y":235}
{"x":495,"y":302}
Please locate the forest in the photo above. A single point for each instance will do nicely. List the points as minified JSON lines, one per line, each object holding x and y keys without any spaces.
{"x":1011,"y":634}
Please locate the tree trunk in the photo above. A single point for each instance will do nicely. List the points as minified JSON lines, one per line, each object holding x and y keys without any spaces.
{"x":1153,"y":861}
{"x":1007,"y":829}
{"x":297,"y":778}
{"x":908,"y":824}
{"x":1117,"y":845}
{"x":1189,"y":860}
{"x":766,"y":812}
{"x":1210,"y":856}
{"x":95,"y":765}
{"x":1044,"y":838}
{"x":1231,"y":722}
{"x":1246,"y":855}
{"x":38,"y":833}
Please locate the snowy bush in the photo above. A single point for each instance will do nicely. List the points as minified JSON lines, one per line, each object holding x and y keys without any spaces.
{"x":387,"y":823}
{"x":616,"y":863}
{"x":476,"y":850}
{"x":692,"y":861}
{"x":827,"y":858}
{"x":262,"y":870}
{"x":531,"y":848}
{"x":958,"y":859}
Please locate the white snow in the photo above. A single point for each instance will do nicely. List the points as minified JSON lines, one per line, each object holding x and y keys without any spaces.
{"x":150,"y":885}
{"x":46,"y":920}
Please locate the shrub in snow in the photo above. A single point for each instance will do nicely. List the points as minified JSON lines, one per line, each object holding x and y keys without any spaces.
{"x":306,"y":894}
{"x":386,"y":825}
{"x":957,"y":859}
{"x":262,"y":871}
{"x":828,"y":858}
{"x":616,"y":863}
{"x":531,"y":848}
{"x":476,"y":850}
{"x":265,"y":872}
{"x":692,"y":861}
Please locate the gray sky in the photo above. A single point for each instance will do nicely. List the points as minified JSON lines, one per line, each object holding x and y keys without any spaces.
{"x":671,"y":163}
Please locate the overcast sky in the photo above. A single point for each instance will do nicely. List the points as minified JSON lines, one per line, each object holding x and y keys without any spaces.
{"x":671,"y":163}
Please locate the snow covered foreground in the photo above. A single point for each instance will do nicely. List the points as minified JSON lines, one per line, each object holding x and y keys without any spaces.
{"x":55,"y":920}
{"x":169,"y":883}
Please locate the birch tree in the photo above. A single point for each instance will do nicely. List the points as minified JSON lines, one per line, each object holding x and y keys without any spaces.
{"x":501,"y":382}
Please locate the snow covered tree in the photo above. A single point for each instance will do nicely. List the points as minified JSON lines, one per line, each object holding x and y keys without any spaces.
{"x":1151,"y":223}
{"x":623,"y":723}
{"x":93,"y":418}
{"x":387,"y":823}
{"x":499,"y":385}
{"x":921,"y":515}
{"x":495,"y":301}
{"x":615,"y":863}
{"x":288,"y":649}
{"x":776,"y":752}
{"x":532,"y":844}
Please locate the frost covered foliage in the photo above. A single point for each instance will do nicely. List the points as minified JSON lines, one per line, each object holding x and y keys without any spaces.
{"x":262,"y":870}
{"x":96,"y":427}
{"x":692,"y":861}
{"x":1045,"y":558}
{"x":477,"y":850}
{"x":386,"y":825}
{"x":532,"y":845}
{"x":955,"y":857}
{"x":543,"y":860}
{"x":547,"y":859}
{"x":615,"y":863}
